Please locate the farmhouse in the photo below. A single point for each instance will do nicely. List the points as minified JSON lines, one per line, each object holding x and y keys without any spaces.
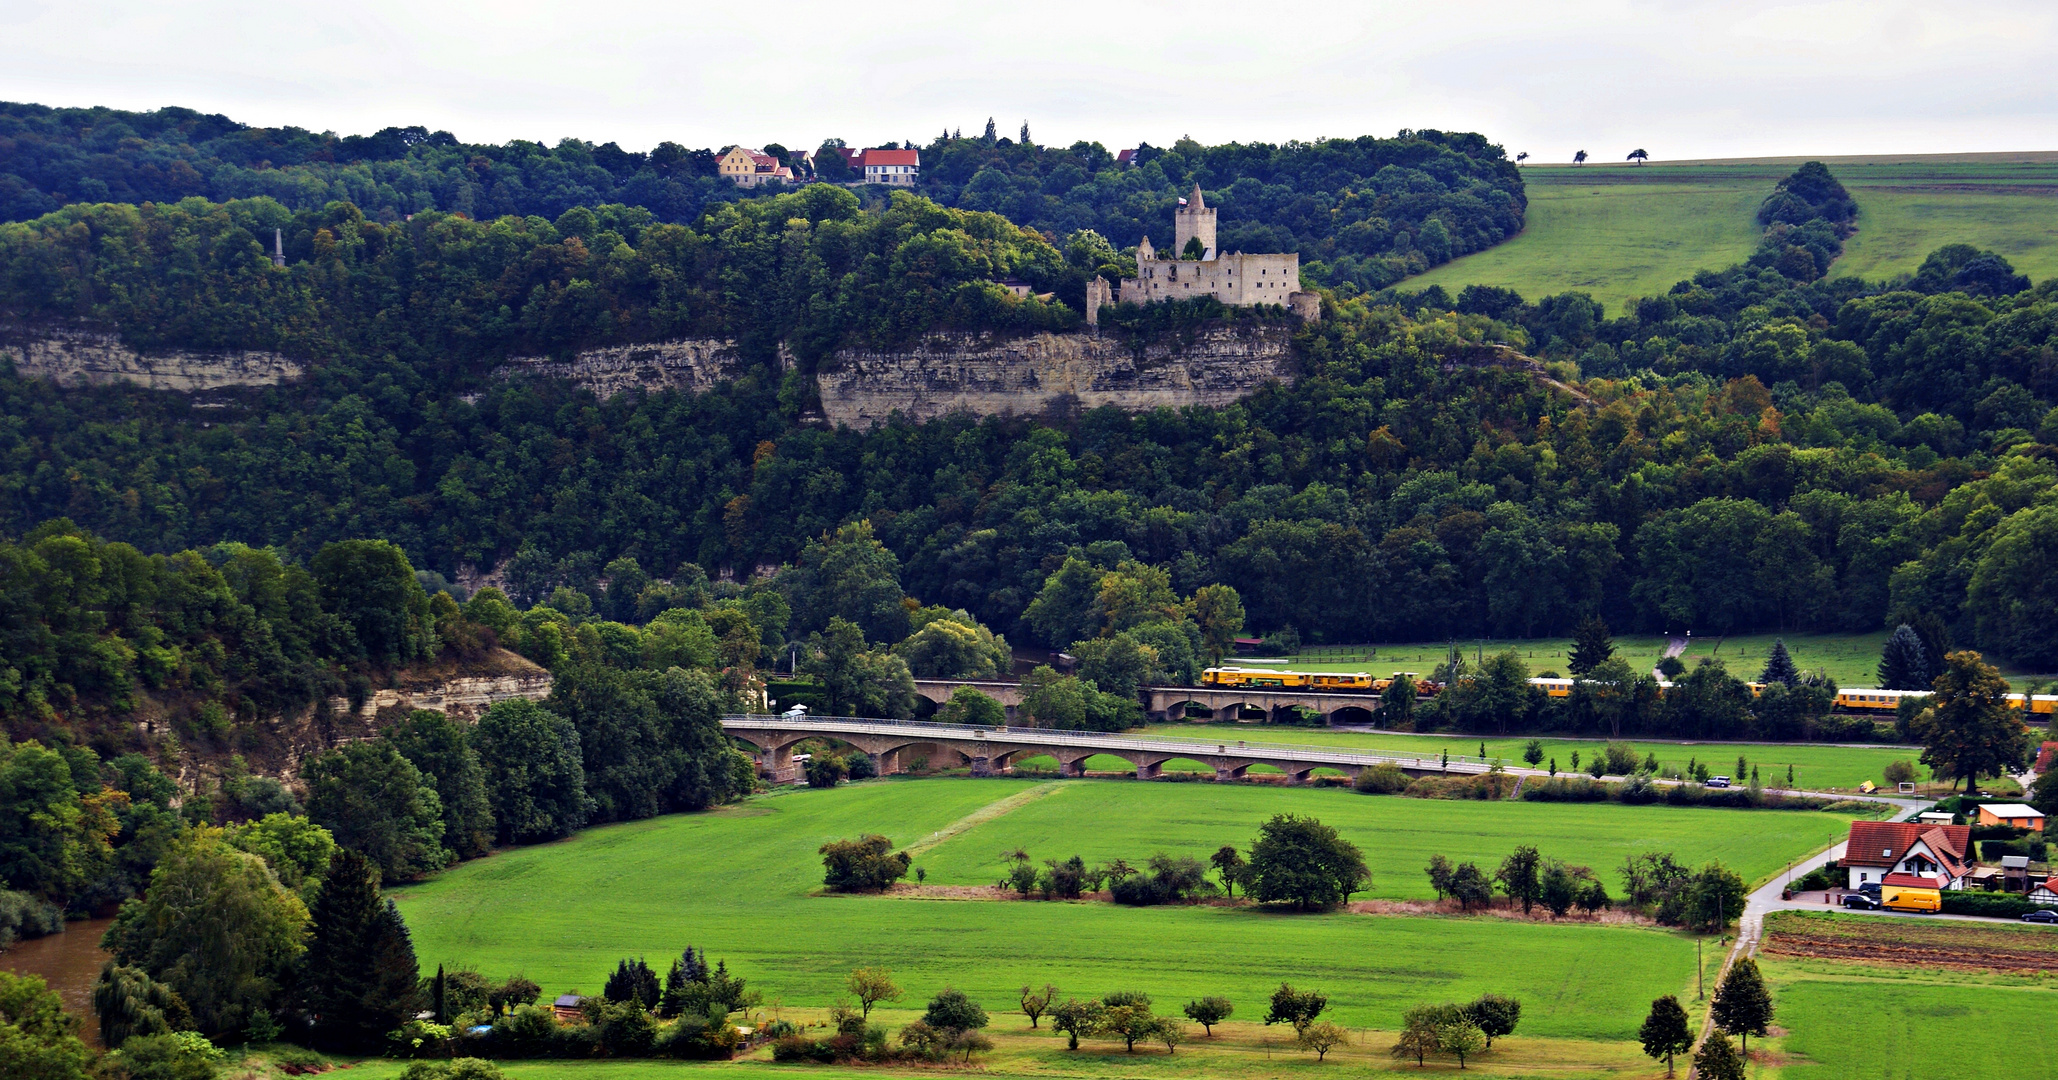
{"x":567,"y":1009}
{"x":1935,"y":852}
{"x":2016,"y":814}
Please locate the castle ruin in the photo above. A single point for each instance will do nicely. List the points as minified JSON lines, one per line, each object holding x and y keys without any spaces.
{"x":1237,"y":279}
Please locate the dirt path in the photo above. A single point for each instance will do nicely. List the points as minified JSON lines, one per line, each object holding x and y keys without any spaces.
{"x":984,"y":814}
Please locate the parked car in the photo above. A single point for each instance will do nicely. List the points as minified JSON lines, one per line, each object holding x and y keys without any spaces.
{"x":2047,"y":915}
{"x":1861,"y":901}
{"x":1718,"y":781}
{"x":1870,"y":888}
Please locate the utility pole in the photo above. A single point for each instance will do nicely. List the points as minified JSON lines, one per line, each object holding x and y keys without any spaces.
{"x":1700,"y":972}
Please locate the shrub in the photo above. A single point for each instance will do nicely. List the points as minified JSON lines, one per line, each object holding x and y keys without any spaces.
{"x":868,"y":864}
{"x":1993,"y":905}
{"x":1381,"y":780}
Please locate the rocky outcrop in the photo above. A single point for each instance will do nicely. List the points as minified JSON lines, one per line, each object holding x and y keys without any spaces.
{"x":991,"y":376}
{"x":692,"y":364}
{"x":74,"y":356}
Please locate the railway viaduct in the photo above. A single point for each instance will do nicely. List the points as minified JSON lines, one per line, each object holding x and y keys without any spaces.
{"x":989,"y":751}
{"x":1170,"y":702}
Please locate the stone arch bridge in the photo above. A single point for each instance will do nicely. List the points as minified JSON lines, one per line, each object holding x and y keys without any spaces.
{"x":993,"y":751}
{"x":1170,"y":702}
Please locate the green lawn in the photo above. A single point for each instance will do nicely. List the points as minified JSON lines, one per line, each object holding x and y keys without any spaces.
{"x":1816,"y":767}
{"x":738,"y":882}
{"x":1898,"y":1024}
{"x":1621,"y":231}
{"x":1134,"y":821}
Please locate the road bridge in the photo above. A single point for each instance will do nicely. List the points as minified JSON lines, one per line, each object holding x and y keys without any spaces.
{"x":895,"y":744}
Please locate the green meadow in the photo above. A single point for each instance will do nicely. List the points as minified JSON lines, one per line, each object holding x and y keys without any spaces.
{"x":1817,"y":767}
{"x":1620,"y":231}
{"x":1132,"y":821}
{"x":741,"y":882}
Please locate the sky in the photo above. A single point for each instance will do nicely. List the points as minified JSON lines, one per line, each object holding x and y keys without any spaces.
{"x":1680,"y":78}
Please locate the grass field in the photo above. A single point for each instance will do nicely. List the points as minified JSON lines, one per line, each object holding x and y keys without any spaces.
{"x":1850,"y":659}
{"x":1911,"y":1019}
{"x":738,"y":882}
{"x":1816,"y":767}
{"x":1398,"y":836}
{"x":1624,"y":231}
{"x":1240,"y":1051}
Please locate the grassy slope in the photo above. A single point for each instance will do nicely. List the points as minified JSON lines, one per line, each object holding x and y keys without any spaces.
{"x":737,"y":883}
{"x":1620,"y":231}
{"x":1398,"y":836}
{"x":1850,"y":659}
{"x":1822,"y":768}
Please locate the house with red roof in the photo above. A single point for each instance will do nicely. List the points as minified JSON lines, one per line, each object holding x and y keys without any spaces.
{"x":1939,"y":854}
{"x":897,"y":167}
{"x":752,"y":168}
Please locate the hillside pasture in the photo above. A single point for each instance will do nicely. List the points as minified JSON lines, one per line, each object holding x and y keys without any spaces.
{"x":1620,"y":231}
{"x":740,"y":882}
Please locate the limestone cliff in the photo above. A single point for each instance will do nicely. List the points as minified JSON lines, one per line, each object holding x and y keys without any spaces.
{"x":77,"y":356}
{"x":692,"y":364}
{"x":989,"y":376}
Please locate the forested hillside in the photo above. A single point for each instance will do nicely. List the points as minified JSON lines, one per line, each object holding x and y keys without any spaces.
{"x":1366,"y":211}
{"x":1754,"y":449}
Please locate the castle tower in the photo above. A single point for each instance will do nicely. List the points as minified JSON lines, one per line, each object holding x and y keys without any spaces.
{"x":279,"y":248}
{"x":1196,"y":218}
{"x":1144,"y":252}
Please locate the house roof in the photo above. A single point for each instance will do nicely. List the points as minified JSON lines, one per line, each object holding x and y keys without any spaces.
{"x":1124,"y":157}
{"x":1909,"y":881}
{"x":568,"y":1001}
{"x":1884,"y":843}
{"x":892,"y":157}
{"x":2012,"y":809}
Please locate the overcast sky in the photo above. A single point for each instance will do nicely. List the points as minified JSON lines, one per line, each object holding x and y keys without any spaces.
{"x":1681,"y":78}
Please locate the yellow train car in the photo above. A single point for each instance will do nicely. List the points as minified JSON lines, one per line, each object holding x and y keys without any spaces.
{"x":1342,"y":682}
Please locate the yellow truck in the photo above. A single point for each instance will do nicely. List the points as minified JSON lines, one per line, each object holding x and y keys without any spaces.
{"x":1907,"y":892}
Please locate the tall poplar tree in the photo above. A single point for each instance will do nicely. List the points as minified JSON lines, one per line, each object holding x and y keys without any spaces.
{"x":1742,"y":1005}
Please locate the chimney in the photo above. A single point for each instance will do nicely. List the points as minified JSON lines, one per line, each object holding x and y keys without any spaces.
{"x":278,"y":248}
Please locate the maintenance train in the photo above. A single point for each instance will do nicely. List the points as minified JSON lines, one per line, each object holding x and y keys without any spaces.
{"x":1857,"y":699}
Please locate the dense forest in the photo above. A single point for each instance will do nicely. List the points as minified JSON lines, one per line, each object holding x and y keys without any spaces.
{"x":1362,"y":212}
{"x":1758,"y":448}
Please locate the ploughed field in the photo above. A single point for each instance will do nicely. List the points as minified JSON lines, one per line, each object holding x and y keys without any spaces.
{"x":743,"y":882}
{"x":1620,"y":231}
{"x":1910,"y":999}
{"x":1969,"y":946}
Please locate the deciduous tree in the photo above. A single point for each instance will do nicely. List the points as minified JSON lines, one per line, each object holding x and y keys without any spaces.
{"x":1968,"y":730}
{"x":1301,"y":862}
{"x":1665,"y":1032}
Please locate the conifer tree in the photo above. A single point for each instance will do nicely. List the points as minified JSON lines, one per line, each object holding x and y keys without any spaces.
{"x":1718,"y":1059}
{"x":632,"y":981}
{"x":991,"y":133}
{"x":1742,"y":1004}
{"x":1592,"y":645}
{"x":687,"y":977}
{"x":1666,"y":1031}
{"x":360,"y":976}
{"x":1904,"y":663}
{"x":1779,"y":667}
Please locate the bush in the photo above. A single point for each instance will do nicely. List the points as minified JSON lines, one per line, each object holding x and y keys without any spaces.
{"x":1381,"y":780}
{"x":25,"y":916}
{"x":1814,"y":880}
{"x":1994,"y":905}
{"x":1566,"y":789}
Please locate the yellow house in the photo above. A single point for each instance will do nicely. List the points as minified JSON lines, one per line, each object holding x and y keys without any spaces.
{"x":750,"y":168}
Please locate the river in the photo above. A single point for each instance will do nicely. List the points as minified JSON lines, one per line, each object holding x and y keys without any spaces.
{"x":69,"y":962}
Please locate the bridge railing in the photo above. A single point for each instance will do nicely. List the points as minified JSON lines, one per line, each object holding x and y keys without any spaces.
{"x":1013,"y":733}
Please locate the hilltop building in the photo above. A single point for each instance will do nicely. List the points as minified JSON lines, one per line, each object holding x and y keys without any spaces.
{"x":899,"y":168}
{"x":753,"y":168}
{"x":1237,"y":279}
